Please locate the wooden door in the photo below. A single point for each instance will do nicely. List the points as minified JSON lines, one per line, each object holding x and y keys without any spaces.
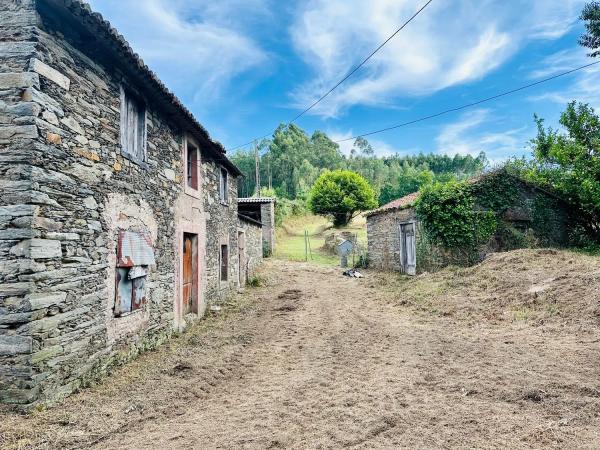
{"x":188,"y":274}
{"x":408,"y":250}
{"x":411,"y":249}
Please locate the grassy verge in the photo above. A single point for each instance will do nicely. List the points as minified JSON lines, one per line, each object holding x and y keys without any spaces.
{"x":290,"y":238}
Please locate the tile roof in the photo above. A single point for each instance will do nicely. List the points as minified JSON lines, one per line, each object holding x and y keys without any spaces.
{"x":257,"y":200}
{"x":401,"y":203}
{"x":112,"y":40}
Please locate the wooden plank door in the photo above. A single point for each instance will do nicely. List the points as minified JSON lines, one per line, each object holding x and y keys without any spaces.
{"x":188,"y":274}
{"x":411,"y":249}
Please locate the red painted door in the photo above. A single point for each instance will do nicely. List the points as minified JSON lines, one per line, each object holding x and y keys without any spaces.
{"x":188,"y":275}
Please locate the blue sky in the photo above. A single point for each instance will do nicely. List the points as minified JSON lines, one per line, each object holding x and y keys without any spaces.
{"x":244,"y":66}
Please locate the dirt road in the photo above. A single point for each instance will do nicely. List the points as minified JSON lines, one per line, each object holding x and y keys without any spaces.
{"x":316,"y":360}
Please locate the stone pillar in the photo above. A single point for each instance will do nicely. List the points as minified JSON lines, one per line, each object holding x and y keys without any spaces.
{"x":22,"y":252}
{"x":267,"y":212}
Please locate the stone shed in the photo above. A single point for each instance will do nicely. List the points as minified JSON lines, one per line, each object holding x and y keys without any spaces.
{"x":531,"y":216}
{"x":261,"y":209}
{"x":118,"y":215}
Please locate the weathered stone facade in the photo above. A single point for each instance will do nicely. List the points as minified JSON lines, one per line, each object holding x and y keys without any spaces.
{"x":383,"y":237}
{"x":69,"y":191}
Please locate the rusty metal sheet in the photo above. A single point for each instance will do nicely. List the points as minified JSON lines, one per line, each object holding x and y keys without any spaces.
{"x":134,"y":249}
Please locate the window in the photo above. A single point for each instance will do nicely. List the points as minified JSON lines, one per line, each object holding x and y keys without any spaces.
{"x":192,"y":166}
{"x":224,"y":262}
{"x":224,"y":186}
{"x":133,"y":127}
{"x":134,"y":256}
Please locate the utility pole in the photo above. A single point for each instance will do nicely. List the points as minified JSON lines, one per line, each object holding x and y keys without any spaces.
{"x":257,"y":163}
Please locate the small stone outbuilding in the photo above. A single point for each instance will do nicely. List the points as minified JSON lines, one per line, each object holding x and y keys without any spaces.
{"x":534,"y":217}
{"x":118,"y":215}
{"x":261,"y":209}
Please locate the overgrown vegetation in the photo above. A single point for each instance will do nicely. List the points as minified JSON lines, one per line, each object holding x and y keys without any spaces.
{"x":449,"y":218}
{"x":569,"y":163}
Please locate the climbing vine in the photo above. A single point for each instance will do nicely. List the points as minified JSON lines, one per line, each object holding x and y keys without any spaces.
{"x":448,"y":213}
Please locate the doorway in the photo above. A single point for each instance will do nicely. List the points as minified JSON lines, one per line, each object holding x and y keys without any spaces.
{"x":190,"y":273}
{"x":408,"y":250}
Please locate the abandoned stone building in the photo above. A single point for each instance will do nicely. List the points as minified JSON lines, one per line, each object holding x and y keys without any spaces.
{"x":261,"y":209}
{"x":118,"y":216}
{"x":534,"y":217}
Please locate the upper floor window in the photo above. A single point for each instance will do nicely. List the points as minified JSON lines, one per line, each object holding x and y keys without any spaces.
{"x":133,"y":126}
{"x":192,"y":165}
{"x":224,"y":186}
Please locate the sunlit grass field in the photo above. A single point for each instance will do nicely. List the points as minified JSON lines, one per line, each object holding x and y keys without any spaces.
{"x":290,"y":238}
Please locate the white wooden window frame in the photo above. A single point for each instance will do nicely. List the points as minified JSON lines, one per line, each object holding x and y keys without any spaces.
{"x":133,"y":151}
{"x":224,"y":186}
{"x":196,"y":193}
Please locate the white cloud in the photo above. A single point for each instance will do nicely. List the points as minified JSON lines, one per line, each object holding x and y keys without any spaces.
{"x":190,"y":44}
{"x":468,"y":136}
{"x":449,"y":43}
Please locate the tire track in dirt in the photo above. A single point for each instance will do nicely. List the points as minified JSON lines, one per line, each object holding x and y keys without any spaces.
{"x":323,"y":361}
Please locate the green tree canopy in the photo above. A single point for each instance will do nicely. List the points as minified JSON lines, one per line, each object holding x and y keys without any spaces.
{"x":591,"y":38}
{"x":570,"y":162}
{"x":340,"y":194}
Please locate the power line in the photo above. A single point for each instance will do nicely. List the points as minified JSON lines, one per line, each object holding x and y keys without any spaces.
{"x":469,"y":105}
{"x":362,"y":63}
{"x":352,"y":72}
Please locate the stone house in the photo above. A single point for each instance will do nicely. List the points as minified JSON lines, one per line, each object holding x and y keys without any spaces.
{"x":534,"y":217}
{"x":118,"y":216}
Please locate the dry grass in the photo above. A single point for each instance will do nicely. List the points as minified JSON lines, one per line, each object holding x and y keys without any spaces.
{"x":536,"y":286}
{"x":502,"y":355}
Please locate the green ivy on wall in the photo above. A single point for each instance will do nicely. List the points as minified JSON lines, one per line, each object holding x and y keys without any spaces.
{"x":447,"y":211}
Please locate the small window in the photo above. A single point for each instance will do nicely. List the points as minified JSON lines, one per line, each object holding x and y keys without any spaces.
{"x":192,"y":166}
{"x":135,"y":255}
{"x":133,"y":127}
{"x":224,"y":262}
{"x":224,"y":186}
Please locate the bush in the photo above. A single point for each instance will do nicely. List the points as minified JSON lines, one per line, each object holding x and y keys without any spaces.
{"x":340,"y":194}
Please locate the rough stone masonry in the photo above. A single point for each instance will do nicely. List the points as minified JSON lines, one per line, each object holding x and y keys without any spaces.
{"x":118,"y":213}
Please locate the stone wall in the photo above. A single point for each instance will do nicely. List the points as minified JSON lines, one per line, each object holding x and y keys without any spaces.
{"x":267,"y":214}
{"x":221,"y":229}
{"x":67,"y":191}
{"x":23,"y":253}
{"x":384,"y":238}
{"x":254,"y":243}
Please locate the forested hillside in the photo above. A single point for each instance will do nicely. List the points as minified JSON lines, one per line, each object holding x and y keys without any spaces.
{"x":291,"y":161}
